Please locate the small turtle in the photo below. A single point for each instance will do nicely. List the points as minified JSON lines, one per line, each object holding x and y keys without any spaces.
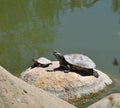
{"x":76,"y":62}
{"x":41,"y":62}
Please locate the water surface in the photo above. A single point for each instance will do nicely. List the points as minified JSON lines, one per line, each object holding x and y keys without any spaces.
{"x":33,"y":28}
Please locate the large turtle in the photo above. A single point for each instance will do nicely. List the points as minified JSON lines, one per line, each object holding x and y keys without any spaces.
{"x":41,"y":62}
{"x":76,"y":62}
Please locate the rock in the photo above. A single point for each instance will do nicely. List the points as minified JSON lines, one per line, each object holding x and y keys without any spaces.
{"x":15,"y":93}
{"x":67,"y":86}
{"x":111,"y":101}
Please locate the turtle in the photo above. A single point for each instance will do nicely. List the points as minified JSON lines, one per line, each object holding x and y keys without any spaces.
{"x":116,"y":63}
{"x":41,"y":62}
{"x":76,"y":62}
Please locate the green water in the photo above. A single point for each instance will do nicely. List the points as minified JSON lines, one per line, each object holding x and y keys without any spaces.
{"x":33,"y":28}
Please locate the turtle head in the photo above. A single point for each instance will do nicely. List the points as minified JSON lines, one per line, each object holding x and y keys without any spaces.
{"x":58,"y":55}
{"x":34,"y":60}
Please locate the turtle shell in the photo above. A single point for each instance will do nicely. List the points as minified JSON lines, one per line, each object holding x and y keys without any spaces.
{"x":43,"y":60}
{"x":80,"y":60}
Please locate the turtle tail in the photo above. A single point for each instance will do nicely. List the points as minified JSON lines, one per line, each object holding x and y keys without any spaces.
{"x":95,"y":74}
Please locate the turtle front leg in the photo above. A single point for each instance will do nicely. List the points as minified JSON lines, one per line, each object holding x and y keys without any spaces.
{"x":67,"y":69}
{"x":35,"y":65}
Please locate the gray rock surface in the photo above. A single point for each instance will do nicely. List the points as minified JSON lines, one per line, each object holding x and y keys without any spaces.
{"x":15,"y":93}
{"x":65,"y":85}
{"x":111,"y":101}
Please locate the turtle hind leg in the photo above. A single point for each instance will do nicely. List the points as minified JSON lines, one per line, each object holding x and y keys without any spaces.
{"x":95,"y":74}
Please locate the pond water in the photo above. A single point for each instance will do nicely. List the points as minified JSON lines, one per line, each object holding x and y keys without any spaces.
{"x":33,"y":28}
